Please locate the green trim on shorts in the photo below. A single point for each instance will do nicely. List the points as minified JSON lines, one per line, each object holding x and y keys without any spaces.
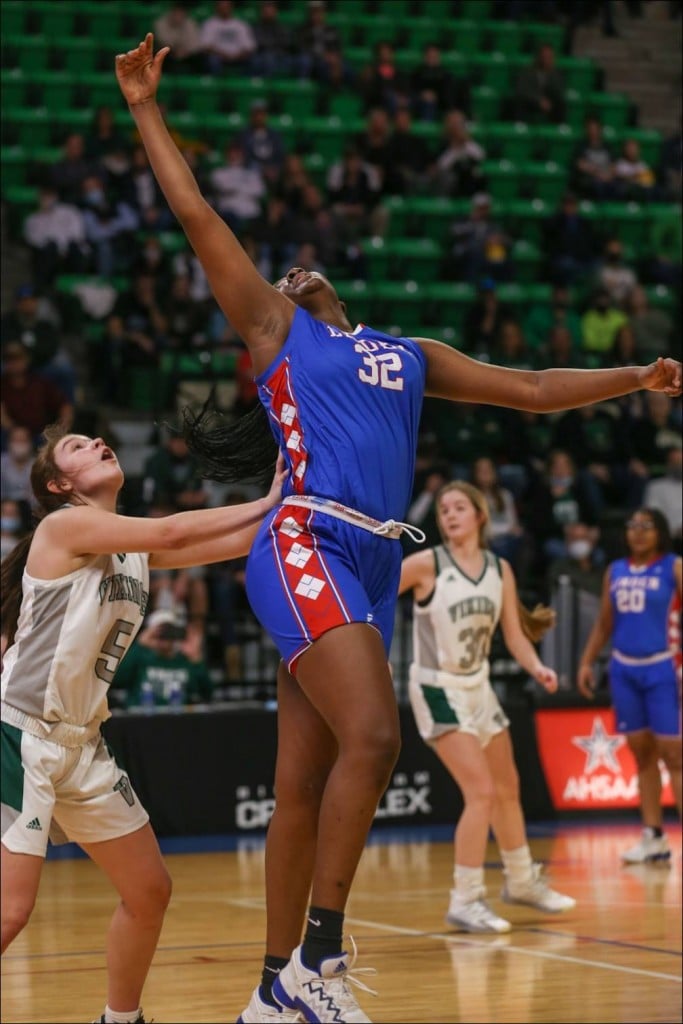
{"x":11,"y":768}
{"x":441,"y":711}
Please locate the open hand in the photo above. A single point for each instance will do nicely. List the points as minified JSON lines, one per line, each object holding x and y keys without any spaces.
{"x":139,"y":71}
{"x":662,"y":375}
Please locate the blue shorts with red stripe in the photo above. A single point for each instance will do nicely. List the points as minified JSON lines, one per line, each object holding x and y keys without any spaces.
{"x":309,"y":572}
{"x":646,"y":697}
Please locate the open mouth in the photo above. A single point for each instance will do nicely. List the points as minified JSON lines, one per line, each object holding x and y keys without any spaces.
{"x":108,"y":454}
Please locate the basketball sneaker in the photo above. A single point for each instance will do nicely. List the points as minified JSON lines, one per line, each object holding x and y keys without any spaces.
{"x":648,"y":849}
{"x":138,"y":1020}
{"x":260,"y":1012}
{"x":474,"y":915}
{"x":323,"y":995}
{"x":535,"y":892}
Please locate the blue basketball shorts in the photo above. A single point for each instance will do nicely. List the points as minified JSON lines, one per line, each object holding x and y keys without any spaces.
{"x":646,"y":697}
{"x":308,"y":572}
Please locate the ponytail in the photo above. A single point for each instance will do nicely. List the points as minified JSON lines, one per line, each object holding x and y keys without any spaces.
{"x":231,"y":451}
{"x":536,"y":622}
{"x":11,"y":575}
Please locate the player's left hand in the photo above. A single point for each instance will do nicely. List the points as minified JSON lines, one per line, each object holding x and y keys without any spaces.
{"x":547,"y":678}
{"x":662,"y":375}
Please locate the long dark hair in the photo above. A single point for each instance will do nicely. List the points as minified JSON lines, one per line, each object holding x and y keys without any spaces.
{"x":44,"y":470}
{"x":662,"y":528}
{"x":231,"y":450}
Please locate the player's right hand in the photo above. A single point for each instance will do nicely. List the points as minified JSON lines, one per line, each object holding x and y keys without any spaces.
{"x":586,"y":681}
{"x":139,"y":71}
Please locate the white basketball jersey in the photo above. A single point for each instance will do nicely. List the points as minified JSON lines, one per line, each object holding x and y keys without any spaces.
{"x":452,"y":630}
{"x":71,"y":635}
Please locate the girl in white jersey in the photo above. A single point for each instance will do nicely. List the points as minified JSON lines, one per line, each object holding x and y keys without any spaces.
{"x":461,"y":590}
{"x":73,"y":597}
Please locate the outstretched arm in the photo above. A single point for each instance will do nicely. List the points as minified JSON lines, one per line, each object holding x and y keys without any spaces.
{"x":257,"y":311}
{"x":451,"y":374}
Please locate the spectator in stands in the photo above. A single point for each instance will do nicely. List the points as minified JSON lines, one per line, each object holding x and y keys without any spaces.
{"x":481,"y":248}
{"x":434,"y":88}
{"x":105,"y":145}
{"x":484,"y":319}
{"x":227,"y":42}
{"x":541,"y":319}
{"x":134,"y":337}
{"x":596,"y":438}
{"x":55,"y":235}
{"x":594,"y":164}
{"x":275,"y":49}
{"x":569,"y":243}
{"x":263,"y":146}
{"x":186,"y":320}
{"x":613,"y":274}
{"x":273,"y":232}
{"x":28,"y":399}
{"x":15,"y":465}
{"x":334,"y":73}
{"x":68,"y":174}
{"x":666,"y":245}
{"x":540,"y":90}
{"x":179,"y":30}
{"x":374,"y":146}
{"x":624,"y":352}
{"x":153,"y":259}
{"x":140,"y":190}
{"x":652,"y":328}
{"x":670,"y":166}
{"x":237,"y":190}
{"x":317,"y":37}
{"x":110,"y":225}
{"x":456,"y":170}
{"x":293,"y":180}
{"x":600,"y":324}
{"x":33,"y":321}
{"x":12,"y":525}
{"x":652,"y":434}
{"x":528,"y":439}
{"x":316,"y":223}
{"x":664,"y":493}
{"x":510,"y":347}
{"x":172,"y":478}
{"x":553,"y":501}
{"x":582,"y":563}
{"x":634,"y":178}
{"x":559,"y":352}
{"x":353,"y":192}
{"x":422,"y":509}
{"x":381,"y":83}
{"x":504,"y":529}
{"x":156,"y":663}
{"x":408,"y":155}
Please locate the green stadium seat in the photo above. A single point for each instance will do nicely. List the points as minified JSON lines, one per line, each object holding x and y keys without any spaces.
{"x":398,"y":301}
{"x":578,"y":72}
{"x":358,"y":56}
{"x":29,"y":53}
{"x":538,"y":33}
{"x":344,"y":22}
{"x":53,"y":19}
{"x":14,"y":84}
{"x":509,"y":141}
{"x":296,"y":97}
{"x":53,"y":89}
{"x":662,"y":297}
{"x":370,"y":29}
{"x":14,"y":161}
{"x":433,"y":216}
{"x":576,"y":108}
{"x":198,"y":95}
{"x":345,"y":105}
{"x":612,"y":108}
{"x":325,"y":135}
{"x":316,"y":167}
{"x":22,"y":200}
{"x":98,"y":89}
{"x":358,"y":296}
{"x":554,"y":142}
{"x":485,"y":103}
{"x":524,"y":217}
{"x":448,"y":302}
{"x":492,"y":69}
{"x":503,"y":178}
{"x":13,"y":17}
{"x":628,"y":221}
{"x":527,"y":258}
{"x":543,"y":180}
{"x":504,"y":36}
{"x":477,"y":10}
{"x":390,"y":8}
{"x":416,"y":33}
{"x":27,"y":126}
{"x":78,"y":55}
{"x":103,"y":21}
{"x":465,"y":34}
{"x":415,"y":259}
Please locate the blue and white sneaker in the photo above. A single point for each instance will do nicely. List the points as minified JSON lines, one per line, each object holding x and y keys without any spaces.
{"x":260,"y":1012}
{"x":323,"y":996}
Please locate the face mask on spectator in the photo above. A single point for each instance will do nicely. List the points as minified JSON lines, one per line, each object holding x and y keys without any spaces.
{"x":579,"y":549}
{"x":94,"y":197}
{"x":8,"y":524}
{"x":561,"y":481}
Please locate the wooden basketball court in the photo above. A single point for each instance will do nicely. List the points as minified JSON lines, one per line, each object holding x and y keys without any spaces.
{"x":617,"y":957}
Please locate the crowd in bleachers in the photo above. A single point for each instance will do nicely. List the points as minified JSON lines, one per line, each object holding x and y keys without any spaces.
{"x":433,"y":160}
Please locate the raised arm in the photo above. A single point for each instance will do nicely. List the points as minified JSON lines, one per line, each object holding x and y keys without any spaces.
{"x":451,"y":374}
{"x":257,"y":311}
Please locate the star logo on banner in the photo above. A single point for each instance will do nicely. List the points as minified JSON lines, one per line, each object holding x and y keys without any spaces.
{"x":600,"y":748}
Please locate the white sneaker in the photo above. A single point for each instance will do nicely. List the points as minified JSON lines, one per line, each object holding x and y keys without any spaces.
{"x":537,"y":893}
{"x":474,"y":915}
{"x":324,"y":995}
{"x":649,"y":848}
{"x":259,"y":1012}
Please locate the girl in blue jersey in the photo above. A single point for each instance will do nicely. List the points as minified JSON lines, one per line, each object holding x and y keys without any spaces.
{"x":344,"y":404}
{"x":640,"y":616}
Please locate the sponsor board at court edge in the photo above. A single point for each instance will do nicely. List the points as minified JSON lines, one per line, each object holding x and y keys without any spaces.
{"x":586,"y":762}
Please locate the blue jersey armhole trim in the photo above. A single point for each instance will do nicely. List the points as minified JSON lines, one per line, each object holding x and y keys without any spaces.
{"x":284,"y":351}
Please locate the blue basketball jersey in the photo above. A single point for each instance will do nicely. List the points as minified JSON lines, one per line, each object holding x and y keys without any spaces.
{"x":345,"y":408}
{"x":645,"y":607}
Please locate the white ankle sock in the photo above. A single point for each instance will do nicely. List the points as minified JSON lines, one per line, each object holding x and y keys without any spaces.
{"x":122,"y":1017}
{"x":468,"y":881}
{"x":517,"y":864}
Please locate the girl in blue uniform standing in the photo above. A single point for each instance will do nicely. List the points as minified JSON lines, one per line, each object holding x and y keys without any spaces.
{"x":640,"y":616}
{"x":344,"y":405}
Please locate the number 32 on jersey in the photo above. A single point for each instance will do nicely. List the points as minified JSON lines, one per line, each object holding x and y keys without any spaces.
{"x":382,"y":365}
